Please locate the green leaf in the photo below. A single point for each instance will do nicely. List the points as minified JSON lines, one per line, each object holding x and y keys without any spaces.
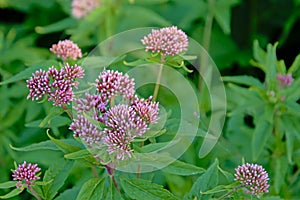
{"x":65,"y":147}
{"x":93,"y":189}
{"x":8,"y":184}
{"x":222,"y":13}
{"x":84,"y":156}
{"x":71,"y":193}
{"x":183,"y":169}
{"x":54,"y":112}
{"x":290,"y":134}
{"x":168,"y":164}
{"x":263,"y":130}
{"x":11,"y":194}
{"x":205,"y":182}
{"x":45,"y":145}
{"x":57,"y":26}
{"x":295,"y":66}
{"x":281,"y":167}
{"x":144,"y":189}
{"x":135,"y":12}
{"x":57,"y":121}
{"x":58,"y":172}
{"x":45,"y":65}
{"x":111,"y":192}
{"x":244,"y":80}
{"x":38,"y":190}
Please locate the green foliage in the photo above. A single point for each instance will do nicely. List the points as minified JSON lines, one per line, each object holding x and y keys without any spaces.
{"x":262,"y":124}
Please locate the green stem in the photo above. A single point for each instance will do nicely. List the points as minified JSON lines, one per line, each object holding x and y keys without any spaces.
{"x":230,"y":192}
{"x":67,"y":111}
{"x":206,"y":41}
{"x":34,"y":193}
{"x":95,"y":172}
{"x":155,"y":93}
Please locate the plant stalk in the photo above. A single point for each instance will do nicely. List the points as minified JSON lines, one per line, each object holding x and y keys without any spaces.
{"x":155,"y":93}
{"x":34,"y":193}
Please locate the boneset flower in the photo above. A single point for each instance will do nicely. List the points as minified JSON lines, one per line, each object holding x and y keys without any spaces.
{"x":57,"y":85}
{"x":66,"y":49}
{"x":167,"y":41}
{"x":26,"y":173}
{"x":121,"y":123}
{"x":285,"y":80}
{"x":113,"y":83}
{"x":81,"y":8}
{"x":253,"y":177}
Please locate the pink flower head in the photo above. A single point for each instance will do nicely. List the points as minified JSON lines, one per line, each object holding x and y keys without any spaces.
{"x":57,"y":85}
{"x":88,"y":131}
{"x":26,"y":173}
{"x":146,"y":109}
{"x":285,"y":80}
{"x":123,"y":117}
{"x":38,"y":84}
{"x":66,"y":49}
{"x":118,"y":142}
{"x":167,"y":41}
{"x":81,"y":8}
{"x":113,"y":83}
{"x":253,"y":177}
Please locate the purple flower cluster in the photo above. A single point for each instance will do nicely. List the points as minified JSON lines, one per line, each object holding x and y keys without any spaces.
{"x":113,"y":83}
{"x":253,"y":177}
{"x":81,"y":8}
{"x":285,"y":80}
{"x":103,"y":124}
{"x":26,"y":173}
{"x":66,"y":49}
{"x":57,"y":85}
{"x":167,"y":41}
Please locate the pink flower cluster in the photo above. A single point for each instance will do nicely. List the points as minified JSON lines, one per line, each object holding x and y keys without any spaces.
{"x":57,"y":85}
{"x":113,"y":126}
{"x":26,"y":173}
{"x":66,"y":49}
{"x":81,"y":8}
{"x":167,"y":41}
{"x":113,"y":83}
{"x":253,"y":177}
{"x":285,"y":80}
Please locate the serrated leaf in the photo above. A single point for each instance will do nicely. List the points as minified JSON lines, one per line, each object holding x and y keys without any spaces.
{"x":143,"y":189}
{"x":11,"y":194}
{"x":8,"y":184}
{"x":45,"y":145}
{"x":58,"y":172}
{"x":205,"y":182}
{"x":244,"y":80}
{"x":65,"y":147}
{"x":57,"y":26}
{"x":45,"y":65}
{"x":93,"y":189}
